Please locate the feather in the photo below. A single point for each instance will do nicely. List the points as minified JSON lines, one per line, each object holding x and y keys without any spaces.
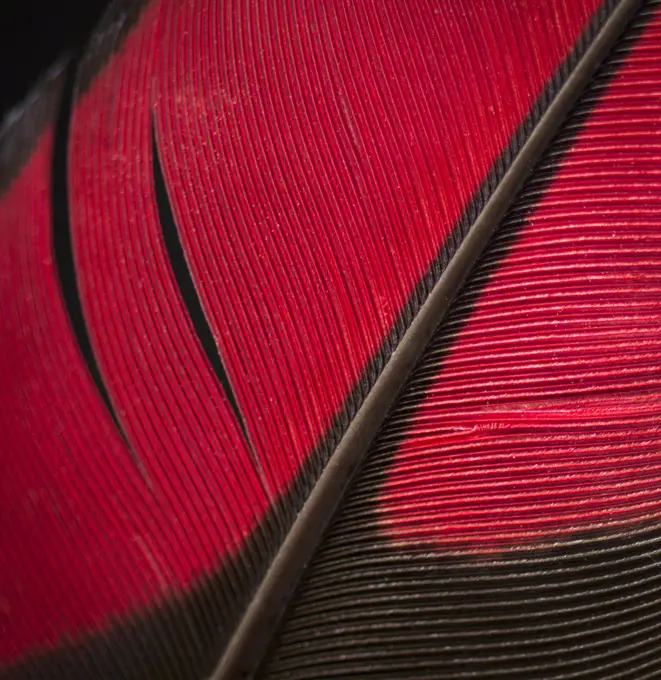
{"x":227,"y":232}
{"x":506,"y":521}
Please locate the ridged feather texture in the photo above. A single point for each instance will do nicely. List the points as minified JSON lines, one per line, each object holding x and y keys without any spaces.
{"x":217,"y":225}
{"x":507,"y":519}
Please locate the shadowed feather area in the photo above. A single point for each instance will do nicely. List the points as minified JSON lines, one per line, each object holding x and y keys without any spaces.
{"x":220,"y":228}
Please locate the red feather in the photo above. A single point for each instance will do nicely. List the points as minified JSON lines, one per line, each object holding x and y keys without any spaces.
{"x":226,"y":233}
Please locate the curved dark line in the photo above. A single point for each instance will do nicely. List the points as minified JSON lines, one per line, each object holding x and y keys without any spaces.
{"x":387,"y":373}
{"x":62,"y":246}
{"x":184,"y":279}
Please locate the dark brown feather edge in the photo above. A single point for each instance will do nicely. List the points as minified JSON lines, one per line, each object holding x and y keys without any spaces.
{"x":257,"y":626}
{"x":22,"y":126}
{"x":114,"y":27}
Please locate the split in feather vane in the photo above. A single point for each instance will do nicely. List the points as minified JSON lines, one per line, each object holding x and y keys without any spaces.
{"x":216,"y":228}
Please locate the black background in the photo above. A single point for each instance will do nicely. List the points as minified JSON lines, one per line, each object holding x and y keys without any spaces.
{"x":33,"y":33}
